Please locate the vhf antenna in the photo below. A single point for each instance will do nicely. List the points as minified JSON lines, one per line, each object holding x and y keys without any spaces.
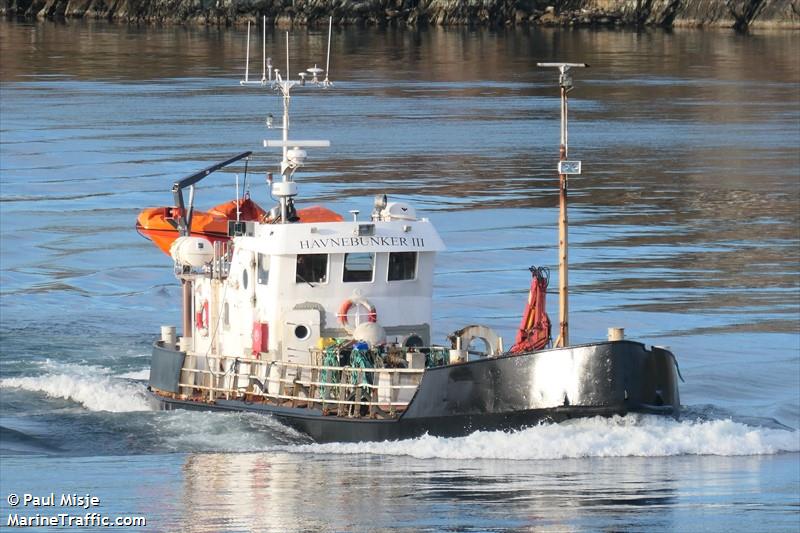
{"x":565,"y":168}
{"x":326,"y":82}
{"x":293,"y":154}
{"x":266,"y":62}
{"x":264,"y":58}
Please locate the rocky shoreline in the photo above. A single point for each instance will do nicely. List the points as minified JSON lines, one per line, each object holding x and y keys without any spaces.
{"x":736,"y":14}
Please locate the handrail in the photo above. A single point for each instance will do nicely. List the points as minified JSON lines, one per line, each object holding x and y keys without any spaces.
{"x":300,"y":382}
{"x":251,"y":360}
{"x":341,"y":389}
{"x":309,"y":400}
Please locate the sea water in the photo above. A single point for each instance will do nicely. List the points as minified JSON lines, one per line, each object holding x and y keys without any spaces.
{"x":684,"y":231}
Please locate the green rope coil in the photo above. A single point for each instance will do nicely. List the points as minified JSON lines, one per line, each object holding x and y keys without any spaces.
{"x":331,"y":358}
{"x":436,"y":357}
{"x":360,"y":359}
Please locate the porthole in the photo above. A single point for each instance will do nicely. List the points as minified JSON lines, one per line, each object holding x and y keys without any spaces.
{"x":244,"y":278}
{"x":301,"y":332}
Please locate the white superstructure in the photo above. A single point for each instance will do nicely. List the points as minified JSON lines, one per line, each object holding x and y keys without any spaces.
{"x":287,"y":286}
{"x":282,"y":286}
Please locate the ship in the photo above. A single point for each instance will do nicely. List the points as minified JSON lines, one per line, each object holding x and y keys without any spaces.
{"x":323,"y":321}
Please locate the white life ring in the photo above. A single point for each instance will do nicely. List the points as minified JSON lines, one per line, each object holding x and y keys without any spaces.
{"x":344,"y":309}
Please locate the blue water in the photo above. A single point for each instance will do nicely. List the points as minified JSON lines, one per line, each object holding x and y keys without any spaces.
{"x":685,"y":230}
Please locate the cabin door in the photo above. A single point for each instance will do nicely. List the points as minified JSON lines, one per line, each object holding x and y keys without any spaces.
{"x":300,"y":334}
{"x":247,"y":301}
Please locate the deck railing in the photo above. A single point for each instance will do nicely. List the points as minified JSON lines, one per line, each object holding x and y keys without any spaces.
{"x":336,"y":390}
{"x":220,"y":266}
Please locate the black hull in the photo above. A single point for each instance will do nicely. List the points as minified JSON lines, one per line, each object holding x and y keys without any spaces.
{"x":503,"y":393}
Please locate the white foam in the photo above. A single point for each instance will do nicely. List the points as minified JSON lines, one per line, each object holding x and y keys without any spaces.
{"x":193,"y":431}
{"x":63,"y":367}
{"x":89,"y":386}
{"x":136,"y":374}
{"x":647,"y":436}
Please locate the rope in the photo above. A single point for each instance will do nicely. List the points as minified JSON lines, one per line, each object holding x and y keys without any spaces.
{"x":331,"y":358}
{"x":360,"y":359}
{"x":215,"y":331}
{"x":436,"y":357}
{"x":542,"y":274}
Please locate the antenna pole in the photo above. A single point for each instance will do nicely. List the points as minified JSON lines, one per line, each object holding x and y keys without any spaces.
{"x":247,"y":56}
{"x":565,"y":85}
{"x":264,"y":50}
{"x":288,"y":75}
{"x":328,"y":60}
{"x":237,"y":197}
{"x":563,"y":233}
{"x":293,"y":155}
{"x":285,"y":162}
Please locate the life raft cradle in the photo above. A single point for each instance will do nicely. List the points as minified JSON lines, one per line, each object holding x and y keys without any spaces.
{"x":162,"y":225}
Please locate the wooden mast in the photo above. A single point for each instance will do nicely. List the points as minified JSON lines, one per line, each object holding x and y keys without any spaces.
{"x":563,"y":233}
{"x":565,"y":168}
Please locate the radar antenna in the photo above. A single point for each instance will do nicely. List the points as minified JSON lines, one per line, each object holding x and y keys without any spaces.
{"x":565,"y":168}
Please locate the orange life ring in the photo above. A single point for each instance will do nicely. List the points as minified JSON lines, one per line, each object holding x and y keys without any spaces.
{"x":372,"y":314}
{"x":201,"y":319}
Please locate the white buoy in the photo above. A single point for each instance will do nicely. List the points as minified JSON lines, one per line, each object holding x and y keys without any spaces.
{"x":370,"y":332}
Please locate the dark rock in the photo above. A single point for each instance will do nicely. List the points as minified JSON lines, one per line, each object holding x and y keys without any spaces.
{"x":549,"y":19}
{"x":738,"y":14}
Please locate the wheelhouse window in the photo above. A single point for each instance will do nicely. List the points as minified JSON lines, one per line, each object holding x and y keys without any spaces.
{"x":358,"y":267}
{"x":402,"y":266}
{"x":263,"y":269}
{"x":312,"y":268}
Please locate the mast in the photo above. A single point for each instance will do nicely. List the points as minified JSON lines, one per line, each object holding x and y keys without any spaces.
{"x":565,"y":168}
{"x":293,"y":154}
